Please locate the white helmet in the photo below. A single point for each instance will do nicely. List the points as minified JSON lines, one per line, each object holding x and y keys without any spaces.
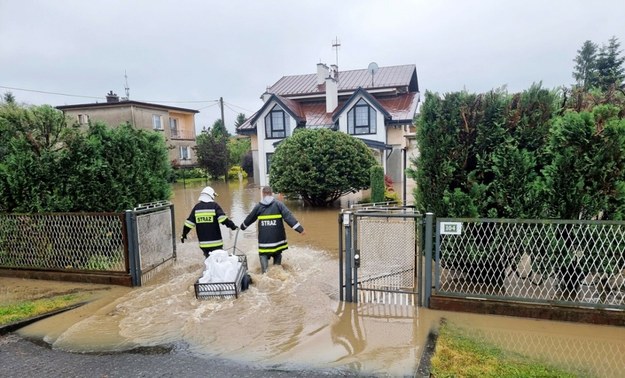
{"x":207,"y":195}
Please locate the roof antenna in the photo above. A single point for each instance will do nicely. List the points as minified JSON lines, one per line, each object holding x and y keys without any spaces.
{"x":126,"y":87}
{"x":372,"y":69}
{"x":335,"y":45}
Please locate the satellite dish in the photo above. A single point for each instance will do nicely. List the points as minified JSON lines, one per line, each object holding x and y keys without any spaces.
{"x":372,"y":69}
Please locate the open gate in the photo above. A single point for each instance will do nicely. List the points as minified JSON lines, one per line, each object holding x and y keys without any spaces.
{"x":381,"y":255}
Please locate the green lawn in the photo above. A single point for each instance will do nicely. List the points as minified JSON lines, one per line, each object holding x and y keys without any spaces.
{"x":22,"y":310}
{"x":459,"y":355}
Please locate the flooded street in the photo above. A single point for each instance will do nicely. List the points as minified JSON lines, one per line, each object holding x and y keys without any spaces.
{"x":291,"y":317}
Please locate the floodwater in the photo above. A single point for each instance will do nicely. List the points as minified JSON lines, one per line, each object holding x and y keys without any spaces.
{"x":291,"y":317}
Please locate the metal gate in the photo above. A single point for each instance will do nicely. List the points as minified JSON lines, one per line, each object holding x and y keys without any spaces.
{"x":151,"y":239}
{"x":381,"y":255}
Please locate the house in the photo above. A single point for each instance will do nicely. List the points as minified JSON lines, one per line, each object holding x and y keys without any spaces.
{"x":176,"y":124}
{"x":376,"y":105}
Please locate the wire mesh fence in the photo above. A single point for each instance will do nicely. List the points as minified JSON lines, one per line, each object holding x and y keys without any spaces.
{"x":85,"y":241}
{"x":568,"y":262}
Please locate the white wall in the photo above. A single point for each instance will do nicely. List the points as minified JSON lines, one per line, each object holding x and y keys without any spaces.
{"x":265,"y":146}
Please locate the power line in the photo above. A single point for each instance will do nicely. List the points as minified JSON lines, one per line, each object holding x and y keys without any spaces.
{"x":46,"y":92}
{"x":236,"y":106}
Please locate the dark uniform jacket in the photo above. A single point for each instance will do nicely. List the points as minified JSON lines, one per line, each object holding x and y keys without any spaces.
{"x":271,"y":233}
{"x":206,"y":218}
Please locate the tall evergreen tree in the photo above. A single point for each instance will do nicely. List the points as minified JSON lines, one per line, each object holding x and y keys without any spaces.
{"x":610,"y":70}
{"x":585,"y":65}
{"x":240,"y":119}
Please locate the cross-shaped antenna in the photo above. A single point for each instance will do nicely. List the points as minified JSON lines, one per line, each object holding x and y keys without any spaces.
{"x":335,"y":45}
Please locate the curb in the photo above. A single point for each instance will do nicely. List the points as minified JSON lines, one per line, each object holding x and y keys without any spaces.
{"x":423,"y":371}
{"x":12,"y":327}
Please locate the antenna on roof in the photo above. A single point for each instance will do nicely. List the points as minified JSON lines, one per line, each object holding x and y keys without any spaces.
{"x":126,"y":87}
{"x":335,"y":45}
{"x":372,"y":69}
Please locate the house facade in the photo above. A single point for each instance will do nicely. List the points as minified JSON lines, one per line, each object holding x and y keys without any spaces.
{"x":376,"y":106}
{"x":176,"y":124}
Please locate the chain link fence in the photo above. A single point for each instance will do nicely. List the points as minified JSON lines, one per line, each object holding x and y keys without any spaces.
{"x":564,"y":262}
{"x":125,"y":248}
{"x":85,"y":242}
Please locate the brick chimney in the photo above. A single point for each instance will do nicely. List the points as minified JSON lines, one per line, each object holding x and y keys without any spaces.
{"x":322,"y":72}
{"x":112,"y":97}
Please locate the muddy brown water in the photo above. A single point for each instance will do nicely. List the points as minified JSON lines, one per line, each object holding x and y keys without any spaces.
{"x":291,"y":317}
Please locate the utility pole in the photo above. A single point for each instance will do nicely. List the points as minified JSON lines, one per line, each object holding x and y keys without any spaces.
{"x":221,"y":106}
{"x":223,"y":123}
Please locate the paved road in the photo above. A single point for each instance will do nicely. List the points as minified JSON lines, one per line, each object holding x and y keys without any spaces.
{"x":23,"y":358}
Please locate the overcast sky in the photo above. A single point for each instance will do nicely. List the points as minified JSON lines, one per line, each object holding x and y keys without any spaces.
{"x":189,"y":53}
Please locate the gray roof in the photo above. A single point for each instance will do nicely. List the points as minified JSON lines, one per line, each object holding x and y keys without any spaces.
{"x":386,"y":77}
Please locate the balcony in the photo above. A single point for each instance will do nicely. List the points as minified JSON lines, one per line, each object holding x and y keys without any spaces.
{"x":182,"y":134}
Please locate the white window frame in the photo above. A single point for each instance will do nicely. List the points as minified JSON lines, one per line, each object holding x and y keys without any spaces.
{"x":185,"y":153}
{"x":157,"y":121}
{"x":83,"y":119}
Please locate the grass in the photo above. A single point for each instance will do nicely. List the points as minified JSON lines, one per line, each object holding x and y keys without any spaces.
{"x":459,"y":355}
{"x":22,"y":310}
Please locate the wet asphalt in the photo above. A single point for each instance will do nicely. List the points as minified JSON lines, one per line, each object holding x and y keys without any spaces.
{"x":25,"y":358}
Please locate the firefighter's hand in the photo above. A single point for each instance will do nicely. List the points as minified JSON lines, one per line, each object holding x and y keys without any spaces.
{"x":234,"y":227}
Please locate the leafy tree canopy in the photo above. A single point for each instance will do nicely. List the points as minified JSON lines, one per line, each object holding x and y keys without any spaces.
{"x":212,"y":150}
{"x":48,"y":166}
{"x":320,"y":165}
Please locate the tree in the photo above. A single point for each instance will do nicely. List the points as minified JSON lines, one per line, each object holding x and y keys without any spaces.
{"x":320,"y":165}
{"x":240,"y":120}
{"x":237,"y":148}
{"x":8,"y":98}
{"x":585,"y":65}
{"x":377,"y":183}
{"x":609,"y":64}
{"x":212,"y":151}
{"x":48,"y":166}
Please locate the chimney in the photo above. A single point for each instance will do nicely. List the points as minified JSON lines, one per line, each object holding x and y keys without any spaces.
{"x":332,"y":94}
{"x":322,"y":73}
{"x":112,"y":97}
{"x":334,"y":71}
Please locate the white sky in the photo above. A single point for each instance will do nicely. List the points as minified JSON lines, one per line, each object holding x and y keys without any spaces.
{"x":182,"y":52}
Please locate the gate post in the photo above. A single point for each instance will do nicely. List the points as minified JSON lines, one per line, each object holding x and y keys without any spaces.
{"x":134,"y":264}
{"x":429,"y":217}
{"x":347,"y":216}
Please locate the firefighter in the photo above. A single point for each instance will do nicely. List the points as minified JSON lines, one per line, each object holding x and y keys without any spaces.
{"x":271,"y":214}
{"x":205,"y":217}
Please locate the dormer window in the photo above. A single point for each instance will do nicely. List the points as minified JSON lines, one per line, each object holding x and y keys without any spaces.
{"x":361,"y":119}
{"x":276,"y":124}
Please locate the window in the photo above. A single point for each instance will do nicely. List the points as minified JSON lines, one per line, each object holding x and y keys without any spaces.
{"x":361,"y":119}
{"x":185,"y":153}
{"x":83,"y":119}
{"x":276,"y":124}
{"x":268,"y":160}
{"x":157,"y":122}
{"x":173,"y":126}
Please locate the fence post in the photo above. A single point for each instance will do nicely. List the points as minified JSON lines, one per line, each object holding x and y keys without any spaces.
{"x":355,"y":256}
{"x":133,"y":248}
{"x":429,"y":217}
{"x":173,"y":229}
{"x":348,"y":256}
{"x":341,"y":281}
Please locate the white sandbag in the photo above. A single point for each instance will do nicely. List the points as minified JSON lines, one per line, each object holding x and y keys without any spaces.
{"x":220,"y":267}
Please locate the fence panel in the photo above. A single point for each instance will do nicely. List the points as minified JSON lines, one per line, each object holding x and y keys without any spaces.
{"x":63,"y":241}
{"x":565,"y":262}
